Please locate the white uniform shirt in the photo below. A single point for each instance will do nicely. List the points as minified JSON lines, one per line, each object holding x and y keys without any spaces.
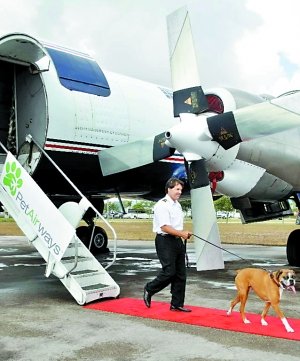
{"x":167,"y":213}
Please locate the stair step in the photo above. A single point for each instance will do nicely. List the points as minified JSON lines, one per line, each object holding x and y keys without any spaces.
{"x":91,"y":278}
{"x":72,"y":245}
{"x":70,"y":252}
{"x":97,"y":286}
{"x":83,"y":272}
{"x":79,"y":259}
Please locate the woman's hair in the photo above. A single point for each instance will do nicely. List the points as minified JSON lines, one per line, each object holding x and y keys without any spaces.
{"x":172,"y":182}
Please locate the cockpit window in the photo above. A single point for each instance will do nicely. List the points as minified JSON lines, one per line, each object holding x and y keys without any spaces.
{"x":79,"y":72}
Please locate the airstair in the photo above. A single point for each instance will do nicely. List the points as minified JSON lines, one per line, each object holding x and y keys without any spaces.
{"x":52,"y":231}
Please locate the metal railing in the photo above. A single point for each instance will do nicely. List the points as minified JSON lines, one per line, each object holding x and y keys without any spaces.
{"x":30,"y":139}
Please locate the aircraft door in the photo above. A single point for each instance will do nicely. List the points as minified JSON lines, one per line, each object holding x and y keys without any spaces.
{"x":31,"y":106}
{"x":23,"y":101}
{"x":6,"y":108}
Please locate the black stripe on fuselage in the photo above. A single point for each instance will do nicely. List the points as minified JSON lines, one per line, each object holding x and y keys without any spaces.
{"x":49,"y":140}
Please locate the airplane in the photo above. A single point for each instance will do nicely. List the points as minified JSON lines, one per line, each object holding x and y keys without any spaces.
{"x":73,"y":110}
{"x":112,"y":134}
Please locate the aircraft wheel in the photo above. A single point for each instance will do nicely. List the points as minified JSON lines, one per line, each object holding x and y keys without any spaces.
{"x":293,"y":248}
{"x":99,"y":241}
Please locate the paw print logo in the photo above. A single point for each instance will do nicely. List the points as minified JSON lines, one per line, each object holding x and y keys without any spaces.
{"x":12,"y":177}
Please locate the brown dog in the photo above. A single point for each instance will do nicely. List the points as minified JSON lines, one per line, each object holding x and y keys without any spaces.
{"x":268,"y":286}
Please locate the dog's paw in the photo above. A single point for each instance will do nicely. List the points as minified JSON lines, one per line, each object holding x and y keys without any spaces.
{"x":289,"y":329}
{"x":287,"y":325}
{"x":264,"y":322}
{"x":229,"y":312}
{"x":246,"y":320}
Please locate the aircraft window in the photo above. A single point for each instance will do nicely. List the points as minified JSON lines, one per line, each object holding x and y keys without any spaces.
{"x":79,"y":73}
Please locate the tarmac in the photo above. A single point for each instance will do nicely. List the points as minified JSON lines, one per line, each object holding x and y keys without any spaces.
{"x":39,"y":319}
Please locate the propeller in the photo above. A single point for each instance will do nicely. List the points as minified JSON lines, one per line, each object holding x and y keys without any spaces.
{"x":134,"y":154}
{"x":200,"y":135}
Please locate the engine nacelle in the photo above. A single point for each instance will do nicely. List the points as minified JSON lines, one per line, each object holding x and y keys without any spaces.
{"x":253,"y":211}
{"x":222,"y":100}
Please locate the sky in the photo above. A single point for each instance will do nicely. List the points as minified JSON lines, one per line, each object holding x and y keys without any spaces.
{"x":247,"y":44}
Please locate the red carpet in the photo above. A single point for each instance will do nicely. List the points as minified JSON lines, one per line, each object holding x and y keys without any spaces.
{"x":200,"y":316}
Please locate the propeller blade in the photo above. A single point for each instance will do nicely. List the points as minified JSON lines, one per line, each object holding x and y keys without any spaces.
{"x":134,"y":154}
{"x":183,"y":60}
{"x":254,"y":121}
{"x":189,"y":100}
{"x":205,"y":226}
{"x":188,"y":96}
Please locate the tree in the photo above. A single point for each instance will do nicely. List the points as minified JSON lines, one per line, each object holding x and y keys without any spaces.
{"x":111,"y":207}
{"x":186,"y":205}
{"x":127,"y":203}
{"x":144,"y":206}
{"x":223,"y":204}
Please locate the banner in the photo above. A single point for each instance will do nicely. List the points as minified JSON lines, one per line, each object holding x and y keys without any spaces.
{"x":36,"y":208}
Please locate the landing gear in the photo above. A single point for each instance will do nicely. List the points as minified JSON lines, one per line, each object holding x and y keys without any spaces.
{"x":94,"y":236}
{"x":293,"y":248}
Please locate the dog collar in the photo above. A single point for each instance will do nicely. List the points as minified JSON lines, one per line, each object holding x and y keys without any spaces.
{"x":274,"y":279}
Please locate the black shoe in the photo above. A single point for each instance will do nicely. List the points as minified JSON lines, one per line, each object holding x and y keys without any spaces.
{"x":179,"y":308}
{"x":147,"y":298}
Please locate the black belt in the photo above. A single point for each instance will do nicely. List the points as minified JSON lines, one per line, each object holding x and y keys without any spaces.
{"x":167,"y":235}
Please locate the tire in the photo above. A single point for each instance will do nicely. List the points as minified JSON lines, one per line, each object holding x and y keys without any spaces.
{"x":83,"y":233}
{"x":99,"y":241}
{"x":293,"y":248}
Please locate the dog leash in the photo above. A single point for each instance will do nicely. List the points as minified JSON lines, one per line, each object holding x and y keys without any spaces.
{"x":223,"y":249}
{"x":186,"y":255}
{"x":234,"y":254}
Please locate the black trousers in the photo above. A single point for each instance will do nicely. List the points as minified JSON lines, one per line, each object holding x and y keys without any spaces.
{"x":171,"y":254}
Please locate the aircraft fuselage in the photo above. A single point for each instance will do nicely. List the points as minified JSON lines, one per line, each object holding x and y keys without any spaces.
{"x":72,"y":110}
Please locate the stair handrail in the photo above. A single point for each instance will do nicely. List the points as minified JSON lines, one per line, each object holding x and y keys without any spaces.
{"x":29,"y":139}
{"x":51,"y":264}
{"x":2,"y":146}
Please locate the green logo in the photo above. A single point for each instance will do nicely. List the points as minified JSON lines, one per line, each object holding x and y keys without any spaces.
{"x":12,"y":177}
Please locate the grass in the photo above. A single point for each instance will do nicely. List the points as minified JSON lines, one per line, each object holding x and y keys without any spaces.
{"x":232,"y":232}
{"x":263,"y":233}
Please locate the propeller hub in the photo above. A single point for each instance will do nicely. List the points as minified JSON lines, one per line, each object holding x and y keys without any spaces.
{"x":168,"y":135}
{"x":191,"y":137}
